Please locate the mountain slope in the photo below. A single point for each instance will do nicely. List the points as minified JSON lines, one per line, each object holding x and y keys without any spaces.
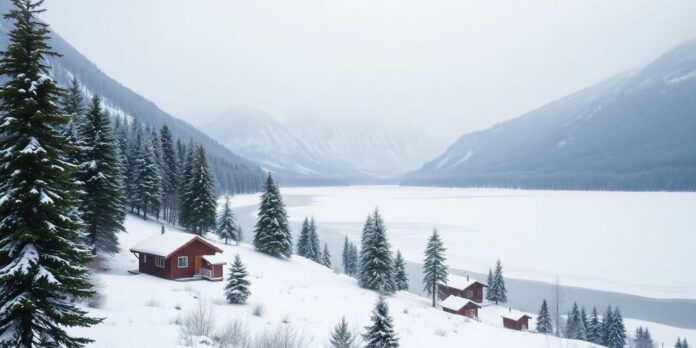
{"x":631,"y":132}
{"x":320,"y":150}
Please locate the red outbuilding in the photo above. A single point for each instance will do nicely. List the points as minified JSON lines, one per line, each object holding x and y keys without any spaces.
{"x":461,"y":306}
{"x":177,"y":255}
{"x":516,"y":320}
{"x":462,"y":287}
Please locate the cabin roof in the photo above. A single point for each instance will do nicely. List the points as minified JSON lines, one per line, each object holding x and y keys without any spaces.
{"x":515,"y":315}
{"x":461,"y":283}
{"x":217,"y":259}
{"x":166,"y":244}
{"x":456,"y":303}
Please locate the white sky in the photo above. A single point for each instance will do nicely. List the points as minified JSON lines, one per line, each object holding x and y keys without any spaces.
{"x":454,"y":66}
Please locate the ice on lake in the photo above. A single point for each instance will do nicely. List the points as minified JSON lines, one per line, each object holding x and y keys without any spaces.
{"x":632,"y":242}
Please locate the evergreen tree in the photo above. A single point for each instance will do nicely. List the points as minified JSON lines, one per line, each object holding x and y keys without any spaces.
{"x":186,"y":180}
{"x":607,"y":323}
{"x":147,"y":192}
{"x":200,"y":195}
{"x":496,"y":289}
{"x":134,"y":146}
{"x":679,"y":343}
{"x":227,"y":227}
{"x":643,"y":339}
{"x":72,"y":104}
{"x":376,"y":264}
{"x":303,"y":243}
{"x":434,"y":268}
{"x":345,"y":256}
{"x":489,"y":281}
{"x":354,"y":259}
{"x":544,"y":324}
{"x":326,"y":256}
{"x":103,"y":205}
{"x":42,"y":258}
{"x":272,"y":233}
{"x":585,"y":322}
{"x":381,"y":334}
{"x":170,"y":171}
{"x":314,"y":250}
{"x":575,"y":327}
{"x":400,"y":277}
{"x":237,"y":288}
{"x":594,"y":328}
{"x":342,"y":337}
{"x":616,"y":335}
{"x":685,"y":344}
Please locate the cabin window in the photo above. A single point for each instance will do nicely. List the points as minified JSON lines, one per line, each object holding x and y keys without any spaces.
{"x":469,"y":293}
{"x":182,"y":261}
{"x":159,"y":261}
{"x":145,"y":258}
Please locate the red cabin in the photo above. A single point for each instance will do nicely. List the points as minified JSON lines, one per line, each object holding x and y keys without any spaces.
{"x":462,"y":287}
{"x":516,"y":320}
{"x":177,"y":255}
{"x":461,"y":306}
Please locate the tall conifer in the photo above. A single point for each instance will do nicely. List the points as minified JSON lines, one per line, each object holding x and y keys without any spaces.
{"x":272,"y":232}
{"x":434,"y":267}
{"x":376,"y":264}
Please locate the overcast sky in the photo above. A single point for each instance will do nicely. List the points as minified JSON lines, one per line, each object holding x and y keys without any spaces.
{"x":454,"y":66}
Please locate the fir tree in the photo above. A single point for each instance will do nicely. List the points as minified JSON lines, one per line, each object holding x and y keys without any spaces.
{"x":381,"y":334}
{"x":496,"y":289}
{"x":594,"y":328}
{"x":354,"y":259}
{"x":584,"y":321}
{"x":575,"y":328}
{"x":685,"y":344}
{"x":170,"y":174}
{"x":227,"y":227}
{"x":376,"y":264}
{"x":42,"y":258}
{"x":237,"y":288}
{"x":134,"y":146}
{"x":489,"y":281}
{"x":616,"y":335}
{"x":186,"y":180}
{"x":643,"y":339}
{"x":400,"y":277}
{"x":679,"y":343}
{"x":342,"y":337}
{"x":544,"y":324}
{"x":314,"y":250}
{"x":200,"y":195}
{"x":607,"y":323}
{"x":103,"y":205}
{"x":272,"y":233}
{"x":147,"y":178}
{"x":72,"y":104}
{"x":434,"y":268}
{"x":345,"y":256}
{"x":303,"y":243}
{"x":326,"y":256}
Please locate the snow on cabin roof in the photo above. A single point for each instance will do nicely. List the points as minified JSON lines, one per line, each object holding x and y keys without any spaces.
{"x":455,"y":303}
{"x":217,"y":259}
{"x":461,"y":283}
{"x":515,"y":315}
{"x":167,"y":243}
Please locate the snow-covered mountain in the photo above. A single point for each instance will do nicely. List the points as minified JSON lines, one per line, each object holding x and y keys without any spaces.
{"x":635,"y":131}
{"x":321,"y":150}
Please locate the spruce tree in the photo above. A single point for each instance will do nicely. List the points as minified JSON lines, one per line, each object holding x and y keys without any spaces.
{"x":679,"y":343}
{"x":381,"y":334}
{"x":147,"y":192}
{"x":200,"y":195}
{"x":607,"y":323}
{"x":303,"y":242}
{"x":170,"y":171}
{"x":185,"y":182}
{"x":616,"y":335}
{"x":103,"y":205}
{"x":496,"y":289}
{"x":575,"y":327}
{"x":314,"y":250}
{"x":594,"y":328}
{"x":685,"y":344}
{"x":489,"y":280}
{"x":342,"y":337}
{"x":584,"y":321}
{"x":272,"y":233}
{"x":42,"y":258}
{"x":345,"y":256}
{"x":643,"y":339}
{"x":434,"y":268}
{"x":544,"y":324}
{"x":326,"y":256}
{"x":400,"y":276}
{"x":376,"y":264}
{"x":237,"y":288}
{"x":227,"y":227}
{"x":134,"y":146}
{"x":72,"y":104}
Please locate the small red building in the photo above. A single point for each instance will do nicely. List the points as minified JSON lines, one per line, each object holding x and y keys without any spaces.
{"x":177,"y":255}
{"x":462,"y":287}
{"x":516,"y":320}
{"x":461,"y":306}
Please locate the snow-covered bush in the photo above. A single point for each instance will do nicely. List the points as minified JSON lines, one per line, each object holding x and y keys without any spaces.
{"x":283,"y":335}
{"x":199,"y":321}
{"x":234,"y":334}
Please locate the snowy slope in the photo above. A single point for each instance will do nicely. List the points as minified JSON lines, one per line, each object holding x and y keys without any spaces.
{"x":141,"y":310}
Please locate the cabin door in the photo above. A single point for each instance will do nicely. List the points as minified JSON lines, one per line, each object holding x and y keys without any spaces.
{"x":197,"y":265}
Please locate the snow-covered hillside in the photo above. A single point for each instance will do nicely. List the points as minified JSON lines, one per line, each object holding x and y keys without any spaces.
{"x":143,"y":311}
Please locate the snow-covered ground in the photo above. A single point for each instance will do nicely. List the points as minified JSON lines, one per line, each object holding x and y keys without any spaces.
{"x":142,"y":310}
{"x":631,"y":242}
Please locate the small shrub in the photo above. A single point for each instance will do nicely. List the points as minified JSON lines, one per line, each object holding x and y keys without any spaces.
{"x":234,"y":334}
{"x":283,"y":335}
{"x":197,"y":322}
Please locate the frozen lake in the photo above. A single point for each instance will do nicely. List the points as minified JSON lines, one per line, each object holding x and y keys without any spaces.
{"x":629,"y":242}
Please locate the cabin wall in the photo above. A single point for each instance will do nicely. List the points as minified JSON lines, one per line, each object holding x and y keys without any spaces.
{"x":193,"y":249}
{"x":146,"y":264}
{"x":476,"y":294}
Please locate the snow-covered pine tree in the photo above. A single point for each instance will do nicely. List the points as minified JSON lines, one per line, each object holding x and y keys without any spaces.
{"x":303,"y":243}
{"x":544,"y":324}
{"x":489,"y":281}
{"x":400,"y":276}
{"x":607,"y":323}
{"x":342,"y":337}
{"x":184,"y":183}
{"x":237,"y":288}
{"x":594,"y":328}
{"x":121,"y":135}
{"x":434,"y":267}
{"x":345,"y":256}
{"x":314,"y":250}
{"x":376,"y":264}
{"x":147,"y":177}
{"x":103,"y":206}
{"x":227,"y":226}
{"x":135,"y":140}
{"x":616,"y":336}
{"x":170,"y":177}
{"x":585,"y":322}
{"x":496,"y":290}
{"x":272,"y":233}
{"x":354,"y":259}
{"x":571,"y":325}
{"x":72,"y":104}
{"x":678,"y":344}
{"x":642,"y":338}
{"x":381,"y":334}
{"x":201,"y":195}
{"x":685,"y":344}
{"x":326,"y":256}
{"x":42,"y":258}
